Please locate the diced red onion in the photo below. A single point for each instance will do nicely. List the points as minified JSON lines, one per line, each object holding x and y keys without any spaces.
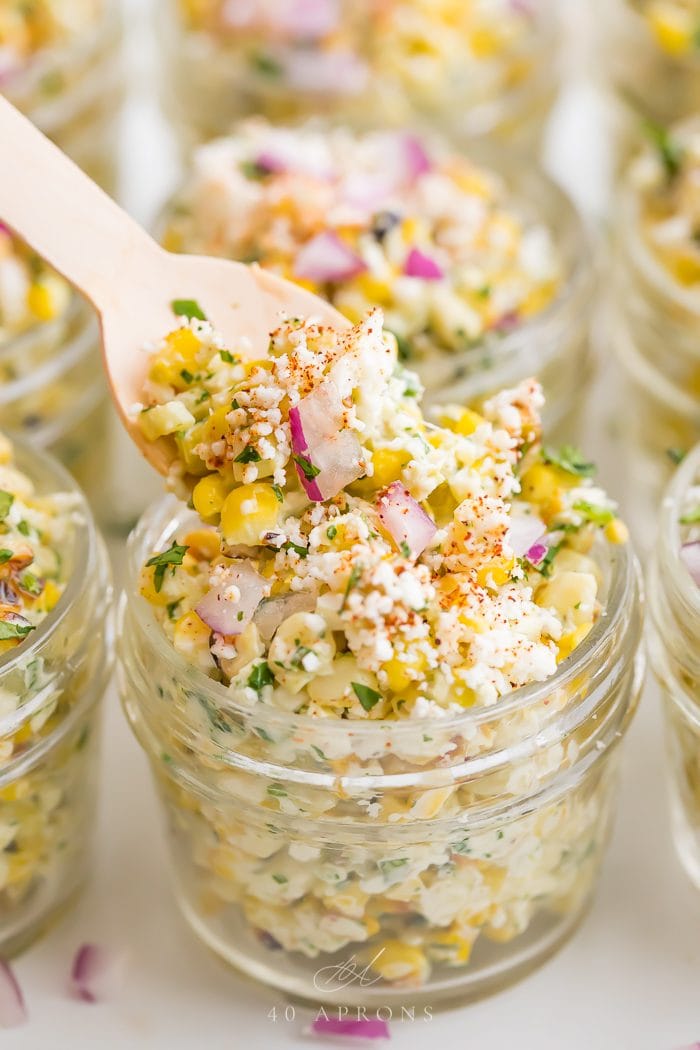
{"x":270,"y":163}
{"x":404,"y":519}
{"x":274,"y":611}
{"x":224,"y":615}
{"x":690,"y":556}
{"x":368,"y":1028}
{"x":13,"y":1012}
{"x":537,"y":553}
{"x":524,"y":531}
{"x":320,"y":436}
{"x":326,"y":258}
{"x":420,"y":265}
{"x":416,"y":157}
{"x":507,"y":322}
{"x":97,"y":973}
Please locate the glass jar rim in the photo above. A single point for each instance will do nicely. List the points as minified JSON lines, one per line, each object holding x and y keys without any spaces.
{"x":675,"y":575}
{"x":157,"y":527}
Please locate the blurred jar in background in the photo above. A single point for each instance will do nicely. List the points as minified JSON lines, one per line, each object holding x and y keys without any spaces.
{"x":480,"y":68}
{"x":482,"y":268}
{"x":673,"y":629}
{"x":52,"y":387}
{"x":655,"y":322}
{"x":651,"y":54}
{"x":60,"y":65}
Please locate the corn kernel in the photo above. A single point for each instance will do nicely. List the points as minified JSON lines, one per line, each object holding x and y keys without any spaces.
{"x":616,"y":532}
{"x":191,"y":634}
{"x":569,"y":641}
{"x":209,"y":496}
{"x":402,"y":673}
{"x":671,"y":28}
{"x":204,"y":543}
{"x":248,"y":512}
{"x":178,"y":356}
{"x":396,"y":961}
{"x":388,"y":464}
{"x":495,"y":573}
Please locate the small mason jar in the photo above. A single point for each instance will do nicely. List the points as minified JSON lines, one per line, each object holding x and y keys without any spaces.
{"x":73,"y":92}
{"x":50,"y":688}
{"x":653,"y":326}
{"x":673,"y":629}
{"x":53,"y":392}
{"x":363,"y":62}
{"x":440,"y":858}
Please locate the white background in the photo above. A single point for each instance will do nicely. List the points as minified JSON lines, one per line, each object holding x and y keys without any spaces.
{"x":628,"y":981}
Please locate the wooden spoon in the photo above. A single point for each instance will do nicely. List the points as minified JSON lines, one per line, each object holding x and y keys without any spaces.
{"x":131,"y":281}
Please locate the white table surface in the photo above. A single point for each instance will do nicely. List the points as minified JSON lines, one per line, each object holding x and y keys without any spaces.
{"x":630,"y":978}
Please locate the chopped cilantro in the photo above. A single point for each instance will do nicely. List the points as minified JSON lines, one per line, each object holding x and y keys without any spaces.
{"x":569,"y":459}
{"x":331,"y":532}
{"x":691,"y":517}
{"x":301,"y":551}
{"x":307,"y":468}
{"x":367,"y":697}
{"x":277,"y":791}
{"x":668,"y":150}
{"x":234,"y":404}
{"x":188,"y":308}
{"x":545,"y":567}
{"x":226,"y":356}
{"x":248,"y":455}
{"x":252,"y":170}
{"x":319,"y":752}
{"x":260,"y":676}
{"x":676,"y":455}
{"x":31,"y":584}
{"x":24,"y":528}
{"x":297,"y":660}
{"x":173,"y":556}
{"x":187,"y":376}
{"x":278,"y":493}
{"x":281,"y":879}
{"x":265,"y":64}
{"x":6,"y":501}
{"x":405,"y":549}
{"x":171,"y":608}
{"x":594,"y":512}
{"x":353,"y":580}
{"x":388,"y":866}
{"x":14,"y":630}
{"x":5,"y":555}
{"x":404,"y":347}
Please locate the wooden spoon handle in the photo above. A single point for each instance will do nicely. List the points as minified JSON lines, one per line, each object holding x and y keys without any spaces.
{"x":64,"y":216}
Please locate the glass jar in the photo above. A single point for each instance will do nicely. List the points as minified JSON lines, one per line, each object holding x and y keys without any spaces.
{"x":50,"y":688}
{"x":370,"y":63}
{"x":672,"y":633}
{"x":442,"y":858}
{"x":53,"y":392}
{"x":552,"y":343}
{"x":654,"y":329}
{"x":73,"y":93}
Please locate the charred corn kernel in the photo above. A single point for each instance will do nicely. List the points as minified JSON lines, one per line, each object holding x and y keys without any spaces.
{"x":616,"y":531}
{"x":495,"y":573}
{"x":569,"y":641}
{"x":397,"y":961}
{"x":209,"y":495}
{"x":191,"y":634}
{"x":401,"y":674}
{"x":388,"y":464}
{"x":203,"y":543}
{"x":248,"y":512}
{"x":165,"y":419}
{"x":672,"y":28}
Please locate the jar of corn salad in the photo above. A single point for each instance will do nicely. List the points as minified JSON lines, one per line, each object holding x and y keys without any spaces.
{"x":60,"y":65}
{"x":651,"y":51}
{"x":55,"y":654}
{"x":655,"y":322}
{"x":673,"y":628}
{"x":381,"y":668}
{"x":482,"y":267}
{"x":482,"y":69}
{"x":52,"y":388}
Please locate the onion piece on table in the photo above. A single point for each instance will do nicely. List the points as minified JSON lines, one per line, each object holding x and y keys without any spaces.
{"x":327,"y":453}
{"x":405,"y":520}
{"x":230,"y":605}
{"x":97,"y":973}
{"x":367,"y":1029}
{"x":13,"y":1012}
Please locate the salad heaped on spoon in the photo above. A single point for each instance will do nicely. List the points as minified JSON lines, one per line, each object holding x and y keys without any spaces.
{"x":354,"y":560}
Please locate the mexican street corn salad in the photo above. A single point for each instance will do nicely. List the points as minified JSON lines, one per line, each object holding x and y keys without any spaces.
{"x":30,"y":293}
{"x":383,"y":218}
{"x":28,"y":29}
{"x":352,"y":581}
